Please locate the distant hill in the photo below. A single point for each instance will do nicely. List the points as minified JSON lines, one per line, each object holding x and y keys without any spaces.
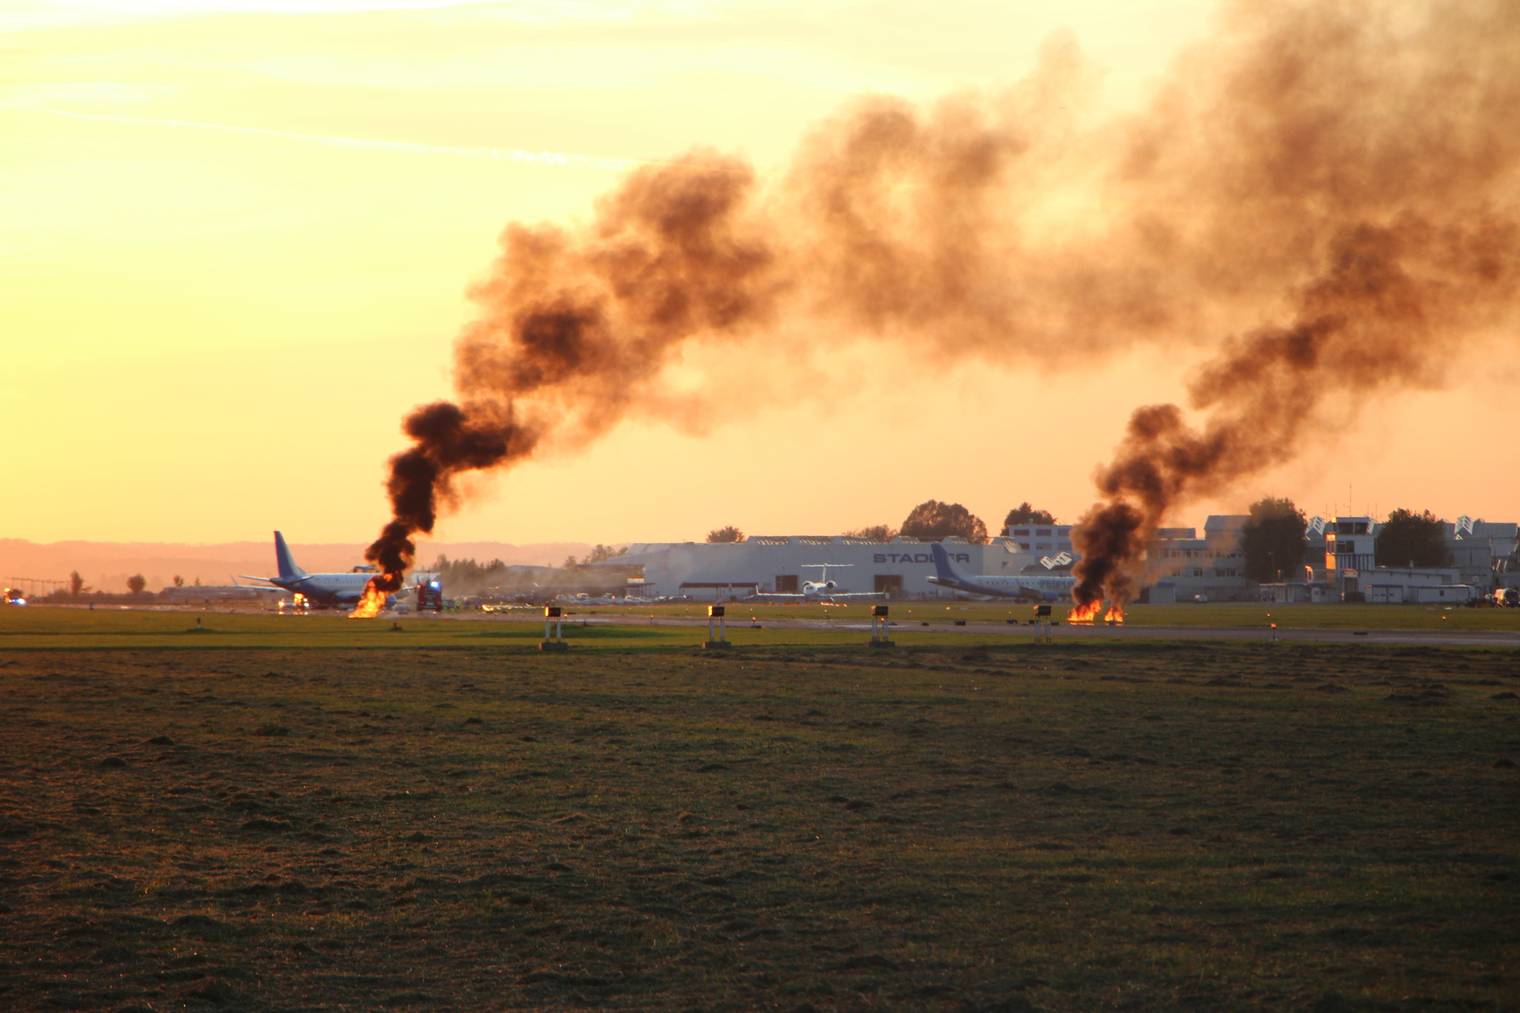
{"x":106,"y":566}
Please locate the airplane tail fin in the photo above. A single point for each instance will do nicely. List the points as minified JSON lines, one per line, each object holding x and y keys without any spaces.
{"x":942,"y":568}
{"x":285,"y":561}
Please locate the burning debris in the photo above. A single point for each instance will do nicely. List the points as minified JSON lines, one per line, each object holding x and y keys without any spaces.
{"x":1083,"y":613}
{"x":1086,"y":614}
{"x":1332,"y":153}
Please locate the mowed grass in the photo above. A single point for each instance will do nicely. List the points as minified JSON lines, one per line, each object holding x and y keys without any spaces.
{"x":1122,"y":825}
{"x":120,"y":629}
{"x":1219,"y":615}
{"x":637,"y":627}
{"x":74,"y":628}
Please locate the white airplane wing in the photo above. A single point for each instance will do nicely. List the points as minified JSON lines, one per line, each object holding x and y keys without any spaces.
{"x":820,"y":596}
{"x":263,"y":585}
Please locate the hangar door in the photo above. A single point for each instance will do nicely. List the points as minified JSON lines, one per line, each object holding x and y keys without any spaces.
{"x":890,"y":583}
{"x":786,"y":583}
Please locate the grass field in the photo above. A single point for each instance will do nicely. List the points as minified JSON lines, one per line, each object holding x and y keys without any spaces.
{"x":1138,"y":825}
{"x":1220,"y":615}
{"x":633,"y":628}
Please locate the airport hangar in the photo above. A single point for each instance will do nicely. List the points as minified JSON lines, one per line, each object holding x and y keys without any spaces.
{"x":781,"y":564}
{"x":1338,"y":559}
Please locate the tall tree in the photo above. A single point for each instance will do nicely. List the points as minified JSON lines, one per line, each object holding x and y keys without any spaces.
{"x":873,"y":532}
{"x":932,"y":520}
{"x":1273,"y":540}
{"x":1407,"y":538}
{"x":600,"y":553}
{"x":179,"y":581}
{"x":1025,"y":513}
{"x":136,"y":583}
{"x":466,"y":576}
{"x":725,"y":534}
{"x":76,"y":585}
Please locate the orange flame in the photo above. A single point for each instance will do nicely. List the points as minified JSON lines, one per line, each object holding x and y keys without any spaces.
{"x":1084,"y":613}
{"x":372,"y":601}
{"x":1114,"y":616}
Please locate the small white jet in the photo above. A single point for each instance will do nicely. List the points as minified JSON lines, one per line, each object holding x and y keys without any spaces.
{"x":822,"y":589}
{"x":343,"y":588}
{"x":1052,"y":588}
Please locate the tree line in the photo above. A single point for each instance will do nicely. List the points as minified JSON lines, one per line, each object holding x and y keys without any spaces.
{"x":930,"y":521}
{"x":1274,"y":539}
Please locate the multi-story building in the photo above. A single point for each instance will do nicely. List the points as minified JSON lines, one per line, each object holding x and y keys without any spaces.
{"x":1482,"y":551}
{"x":1314,"y":551}
{"x":1349,"y":549}
{"x":1049,"y":543}
{"x":1184,"y":567}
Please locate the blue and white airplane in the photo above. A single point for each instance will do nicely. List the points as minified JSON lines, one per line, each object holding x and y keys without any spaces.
{"x":1052,"y":588}
{"x":324,"y":588}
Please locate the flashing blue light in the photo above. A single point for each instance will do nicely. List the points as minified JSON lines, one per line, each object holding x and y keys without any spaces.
{"x":433,"y":584}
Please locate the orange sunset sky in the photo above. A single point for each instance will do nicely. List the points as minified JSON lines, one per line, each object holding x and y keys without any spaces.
{"x":237,"y":239}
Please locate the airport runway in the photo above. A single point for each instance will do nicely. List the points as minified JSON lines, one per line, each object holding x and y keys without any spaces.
{"x":903,"y":632}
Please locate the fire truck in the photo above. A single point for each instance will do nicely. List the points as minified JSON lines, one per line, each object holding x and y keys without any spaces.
{"x":430,"y":596}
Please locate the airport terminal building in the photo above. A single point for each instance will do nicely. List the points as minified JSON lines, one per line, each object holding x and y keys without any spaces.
{"x":779,"y":564}
{"x":1184,"y":564}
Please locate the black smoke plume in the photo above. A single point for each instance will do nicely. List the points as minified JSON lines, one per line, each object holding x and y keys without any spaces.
{"x":1390,"y":163}
{"x":1349,"y":167}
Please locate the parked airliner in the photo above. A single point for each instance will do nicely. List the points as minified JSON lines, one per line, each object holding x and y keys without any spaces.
{"x":323,"y":588}
{"x":1051,"y":588}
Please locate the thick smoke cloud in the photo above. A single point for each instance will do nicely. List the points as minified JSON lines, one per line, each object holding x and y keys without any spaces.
{"x":574,"y":327}
{"x":1349,"y":168}
{"x":1388,"y":163}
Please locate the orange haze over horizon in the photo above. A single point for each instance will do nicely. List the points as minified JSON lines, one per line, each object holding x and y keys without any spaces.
{"x":239,"y":238}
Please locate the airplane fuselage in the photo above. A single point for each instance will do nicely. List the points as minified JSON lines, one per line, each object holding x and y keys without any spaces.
{"x":344,"y":588}
{"x":326,"y":588}
{"x":1026,"y":588}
